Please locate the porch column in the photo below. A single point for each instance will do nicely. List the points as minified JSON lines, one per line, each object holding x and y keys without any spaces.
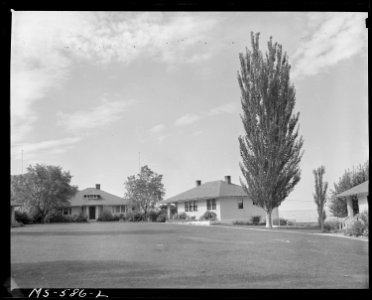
{"x":168,"y":211}
{"x":349,"y":207}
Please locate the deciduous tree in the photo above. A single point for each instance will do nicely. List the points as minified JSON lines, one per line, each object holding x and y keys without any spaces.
{"x":320,"y":195}
{"x":145,"y":189}
{"x":42,"y":190}
{"x":271,"y":146}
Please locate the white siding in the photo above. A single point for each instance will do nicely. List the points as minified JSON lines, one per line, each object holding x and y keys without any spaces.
{"x":230,"y":211}
{"x":202,"y":208}
{"x":75,"y":210}
{"x":227,"y":210}
{"x":363,"y":203}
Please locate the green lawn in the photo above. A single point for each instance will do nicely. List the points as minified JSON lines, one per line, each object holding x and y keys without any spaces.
{"x":156,"y":255}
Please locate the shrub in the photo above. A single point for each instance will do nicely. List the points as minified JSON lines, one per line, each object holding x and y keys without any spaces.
{"x":153,"y":215}
{"x":134,"y":216}
{"x":241,"y":223}
{"x":57,"y":217}
{"x":22,"y":217}
{"x":354,"y":227}
{"x":209,"y":215}
{"x":79,"y":218}
{"x":363,"y":217}
{"x":17,"y":224}
{"x":256,"y":220}
{"x":181,"y":216}
{"x":161,"y":217}
{"x":282,"y":222}
{"x":332,"y":225}
{"x":106,"y":216}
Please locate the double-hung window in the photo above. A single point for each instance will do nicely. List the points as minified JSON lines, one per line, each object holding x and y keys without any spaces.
{"x":211,"y":204}
{"x":240,"y":204}
{"x":191,"y":206}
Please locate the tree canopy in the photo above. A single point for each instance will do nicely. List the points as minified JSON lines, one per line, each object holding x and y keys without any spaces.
{"x":271,"y":146}
{"x":145,"y":189}
{"x":42,"y":190}
{"x":320,"y":195}
{"x":348,"y":180}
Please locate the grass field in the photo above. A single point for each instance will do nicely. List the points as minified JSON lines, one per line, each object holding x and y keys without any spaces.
{"x":155,"y":255}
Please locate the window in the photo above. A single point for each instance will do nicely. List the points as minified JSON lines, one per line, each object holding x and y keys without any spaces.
{"x":93,"y":196}
{"x":66,"y":211}
{"x":240,"y":204}
{"x":211,"y":204}
{"x":191,"y":206}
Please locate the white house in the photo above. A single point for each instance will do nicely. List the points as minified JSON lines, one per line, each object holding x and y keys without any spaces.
{"x":361,"y":191}
{"x":92,"y":201}
{"x":227,"y":200}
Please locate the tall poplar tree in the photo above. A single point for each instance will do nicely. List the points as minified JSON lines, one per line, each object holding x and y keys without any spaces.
{"x":320,"y":195}
{"x":271,"y":146}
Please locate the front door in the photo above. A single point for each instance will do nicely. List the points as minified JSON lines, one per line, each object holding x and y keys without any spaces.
{"x":92,"y":212}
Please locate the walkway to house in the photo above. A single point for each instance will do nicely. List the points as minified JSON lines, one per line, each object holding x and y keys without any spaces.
{"x":155,"y":255}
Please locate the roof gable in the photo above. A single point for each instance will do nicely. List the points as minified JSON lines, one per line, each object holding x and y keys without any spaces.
{"x":104,"y":198}
{"x":213,"y":189}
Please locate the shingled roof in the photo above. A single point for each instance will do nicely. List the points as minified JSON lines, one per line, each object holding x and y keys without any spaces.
{"x":356,"y":190}
{"x":209,"y":190}
{"x":105,"y":198}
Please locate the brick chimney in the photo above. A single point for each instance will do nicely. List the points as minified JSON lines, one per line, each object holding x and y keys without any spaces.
{"x":98,"y":186}
{"x":198,"y":182}
{"x":228,"y":179}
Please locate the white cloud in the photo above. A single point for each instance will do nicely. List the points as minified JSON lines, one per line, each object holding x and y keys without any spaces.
{"x":339,"y":37}
{"x":45,"y":45}
{"x":158,"y":128}
{"x":52,"y":146}
{"x":191,"y":118}
{"x":187,"y":119}
{"x":228,"y":108}
{"x":99,"y":116}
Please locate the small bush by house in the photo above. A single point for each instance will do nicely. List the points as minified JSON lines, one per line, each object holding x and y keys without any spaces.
{"x":153,"y":215}
{"x":354,"y":227}
{"x":57,"y":217}
{"x":241,"y":223}
{"x":161,"y":217}
{"x":80,"y":218}
{"x":181,"y":216}
{"x":134,"y":217}
{"x":209,"y":215}
{"x":106,"y":216}
{"x":22,"y":217}
{"x":255,"y":220}
{"x":332,"y":225}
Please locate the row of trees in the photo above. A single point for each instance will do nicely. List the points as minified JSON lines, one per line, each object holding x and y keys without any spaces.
{"x":43,"y":190}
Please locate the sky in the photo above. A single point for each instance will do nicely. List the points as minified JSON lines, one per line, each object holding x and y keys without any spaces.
{"x":102,"y":93}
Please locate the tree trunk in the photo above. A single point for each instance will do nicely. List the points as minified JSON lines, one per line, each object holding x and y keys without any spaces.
{"x":269,"y":221}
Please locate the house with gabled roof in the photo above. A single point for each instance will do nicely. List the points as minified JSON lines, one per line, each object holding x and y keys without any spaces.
{"x":227,"y":200}
{"x":92,"y":201}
